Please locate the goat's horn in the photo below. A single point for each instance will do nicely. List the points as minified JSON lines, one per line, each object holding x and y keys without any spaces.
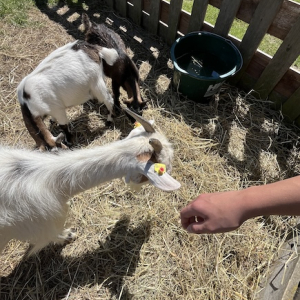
{"x":146,"y":124}
{"x":156,"y":144}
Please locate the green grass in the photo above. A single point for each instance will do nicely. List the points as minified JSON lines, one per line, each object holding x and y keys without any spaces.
{"x":15,"y":11}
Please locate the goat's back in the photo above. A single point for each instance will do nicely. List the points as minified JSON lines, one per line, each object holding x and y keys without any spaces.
{"x":64,"y":79}
{"x":29,"y":209}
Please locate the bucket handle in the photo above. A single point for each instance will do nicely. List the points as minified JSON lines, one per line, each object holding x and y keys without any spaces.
{"x":235,"y":70}
{"x":180,"y":69}
{"x":229,"y":73}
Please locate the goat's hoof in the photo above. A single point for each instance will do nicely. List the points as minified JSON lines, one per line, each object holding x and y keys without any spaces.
{"x":42,"y":148}
{"x":68,"y":235}
{"x":63,"y":146}
{"x":67,"y":144}
{"x":52,"y":122}
{"x":71,"y":234}
{"x":109,"y":124}
{"x":59,"y":138}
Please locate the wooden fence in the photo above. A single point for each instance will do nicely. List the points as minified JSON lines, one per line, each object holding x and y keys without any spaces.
{"x":270,"y":77}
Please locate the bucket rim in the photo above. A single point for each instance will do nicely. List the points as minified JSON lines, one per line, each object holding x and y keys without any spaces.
{"x":232,"y":72}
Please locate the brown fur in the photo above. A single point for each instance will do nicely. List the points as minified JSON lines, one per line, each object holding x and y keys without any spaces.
{"x":124,"y":72}
{"x":32,"y":127}
{"x":91,"y":50}
{"x":39,"y":132}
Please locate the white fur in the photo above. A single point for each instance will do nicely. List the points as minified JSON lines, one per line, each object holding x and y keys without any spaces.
{"x":66,"y":78}
{"x":35,"y":187}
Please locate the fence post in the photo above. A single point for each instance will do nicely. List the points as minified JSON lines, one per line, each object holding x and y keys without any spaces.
{"x":110,"y":3}
{"x":226,"y":16}
{"x":154,"y":16}
{"x":121,"y":6}
{"x":174,"y":15}
{"x":291,"y":107}
{"x":137,"y":7}
{"x":287,"y":53}
{"x":260,"y":22}
{"x":198,"y":15}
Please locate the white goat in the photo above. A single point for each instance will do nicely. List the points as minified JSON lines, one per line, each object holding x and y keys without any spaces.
{"x":69,"y":76}
{"x":36,"y":187}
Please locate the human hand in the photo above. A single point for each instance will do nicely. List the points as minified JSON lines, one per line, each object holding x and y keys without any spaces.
{"x":214,"y":213}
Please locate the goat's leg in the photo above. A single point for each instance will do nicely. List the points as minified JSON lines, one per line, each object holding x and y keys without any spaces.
{"x":49,"y":138}
{"x":102,"y":94}
{"x":116,"y":92}
{"x":53,"y":232}
{"x":65,"y":235}
{"x":61,"y":118}
{"x":68,"y":140}
{"x":32,"y":127}
{"x":40,"y":142}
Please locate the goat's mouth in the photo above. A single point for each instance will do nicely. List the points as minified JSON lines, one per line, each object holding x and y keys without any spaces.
{"x":136,"y":186}
{"x":144,"y":179}
{"x":140,"y":181}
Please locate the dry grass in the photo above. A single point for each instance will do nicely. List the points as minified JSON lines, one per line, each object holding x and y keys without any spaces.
{"x":131,"y":246}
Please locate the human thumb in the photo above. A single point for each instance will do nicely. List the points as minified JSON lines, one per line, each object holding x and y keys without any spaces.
{"x":196,"y":227}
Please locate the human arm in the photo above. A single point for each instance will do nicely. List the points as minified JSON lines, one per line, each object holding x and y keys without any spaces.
{"x":226,"y":211}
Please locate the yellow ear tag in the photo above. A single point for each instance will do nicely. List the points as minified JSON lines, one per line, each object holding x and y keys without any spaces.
{"x":160,"y":169}
{"x":137,"y":124}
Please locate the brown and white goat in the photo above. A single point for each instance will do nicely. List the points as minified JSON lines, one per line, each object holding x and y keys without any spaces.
{"x":69,"y":76}
{"x":123,"y":72}
{"x":36,"y":187}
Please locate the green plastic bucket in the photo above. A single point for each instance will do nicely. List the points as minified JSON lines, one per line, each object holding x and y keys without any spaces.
{"x":202,"y":63}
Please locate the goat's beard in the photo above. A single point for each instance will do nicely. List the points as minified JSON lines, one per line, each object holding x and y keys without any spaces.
{"x":135,"y":187}
{"x":135,"y":184}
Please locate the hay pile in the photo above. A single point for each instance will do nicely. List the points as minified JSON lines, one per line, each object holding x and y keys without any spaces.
{"x":131,"y":246}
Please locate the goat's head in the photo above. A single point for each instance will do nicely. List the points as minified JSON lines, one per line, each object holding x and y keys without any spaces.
{"x":154,"y":159}
{"x":130,"y":84}
{"x":124,"y":72}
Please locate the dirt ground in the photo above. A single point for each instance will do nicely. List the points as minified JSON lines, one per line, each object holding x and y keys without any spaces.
{"x":131,"y":245}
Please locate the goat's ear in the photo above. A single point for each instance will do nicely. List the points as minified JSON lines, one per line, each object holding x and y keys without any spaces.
{"x":156,"y":144}
{"x":164,"y":181}
{"x":86,"y":22}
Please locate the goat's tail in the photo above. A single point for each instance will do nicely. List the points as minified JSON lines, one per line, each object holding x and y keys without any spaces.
{"x":109,"y":55}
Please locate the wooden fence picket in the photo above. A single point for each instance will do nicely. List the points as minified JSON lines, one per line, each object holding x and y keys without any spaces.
{"x":256,"y":31}
{"x":271,"y":77}
{"x":198,"y":15}
{"x":280,"y":63}
{"x":226,"y":16}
